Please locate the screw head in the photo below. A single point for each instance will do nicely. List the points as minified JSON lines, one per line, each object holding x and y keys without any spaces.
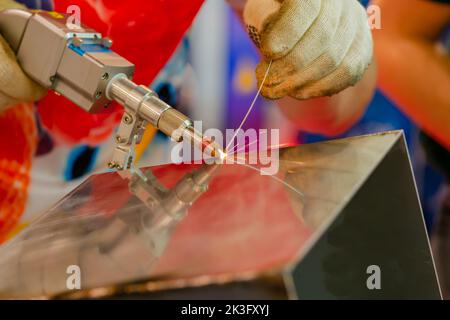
{"x":105,"y":76}
{"x":127,"y":119}
{"x":119,"y":139}
{"x":98,"y":95}
{"x":107,"y":43}
{"x":111,"y":165}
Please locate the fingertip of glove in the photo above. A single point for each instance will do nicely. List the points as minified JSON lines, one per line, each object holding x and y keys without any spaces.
{"x":272,"y":48}
{"x":268,"y":96}
{"x":271,"y":93}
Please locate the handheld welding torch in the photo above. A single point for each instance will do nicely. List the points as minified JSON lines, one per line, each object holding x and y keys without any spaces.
{"x":77,"y":62}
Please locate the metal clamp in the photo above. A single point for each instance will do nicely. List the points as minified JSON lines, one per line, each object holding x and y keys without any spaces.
{"x":129,"y":134}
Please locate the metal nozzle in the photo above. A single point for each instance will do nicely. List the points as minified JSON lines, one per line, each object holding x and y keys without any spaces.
{"x":206,"y":145}
{"x":144,"y":102}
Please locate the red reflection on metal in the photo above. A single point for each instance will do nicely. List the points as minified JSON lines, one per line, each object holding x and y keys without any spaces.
{"x":245,"y":222}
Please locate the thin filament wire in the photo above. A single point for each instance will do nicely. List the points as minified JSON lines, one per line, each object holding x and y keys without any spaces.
{"x":235,"y":148}
{"x":251,"y":106}
{"x":260,"y":170}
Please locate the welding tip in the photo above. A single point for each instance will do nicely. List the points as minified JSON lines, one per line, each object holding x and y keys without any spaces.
{"x":206,"y":145}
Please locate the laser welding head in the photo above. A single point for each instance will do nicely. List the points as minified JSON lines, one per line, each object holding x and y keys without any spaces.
{"x":78,"y":63}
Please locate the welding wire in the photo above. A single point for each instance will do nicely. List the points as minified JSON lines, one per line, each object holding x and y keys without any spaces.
{"x":251,"y":106}
{"x":151,"y":131}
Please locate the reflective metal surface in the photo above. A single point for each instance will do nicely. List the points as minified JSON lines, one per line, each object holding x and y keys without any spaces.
{"x":229,"y":232}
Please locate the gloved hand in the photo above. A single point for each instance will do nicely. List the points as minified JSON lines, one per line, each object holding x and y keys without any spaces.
{"x":15,"y":86}
{"x":318,"y":47}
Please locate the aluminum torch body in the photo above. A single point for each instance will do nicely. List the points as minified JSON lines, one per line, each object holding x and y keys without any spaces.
{"x":77,"y":62}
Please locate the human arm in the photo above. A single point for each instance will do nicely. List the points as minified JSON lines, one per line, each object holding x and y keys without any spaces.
{"x":413,"y":71}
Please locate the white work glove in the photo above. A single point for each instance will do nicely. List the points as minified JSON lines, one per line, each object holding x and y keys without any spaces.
{"x":15,"y":86}
{"x":318,"y":47}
